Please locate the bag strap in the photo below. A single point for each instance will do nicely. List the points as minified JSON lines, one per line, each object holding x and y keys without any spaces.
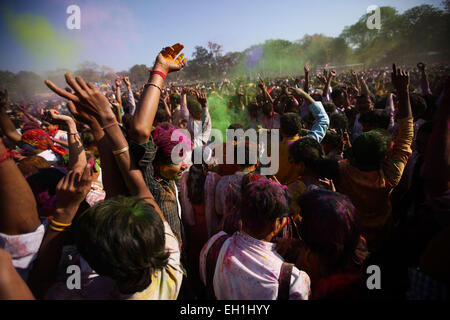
{"x":211,"y":261}
{"x":284,"y":281}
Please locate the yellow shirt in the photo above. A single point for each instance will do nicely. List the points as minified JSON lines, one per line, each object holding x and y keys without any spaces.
{"x":285,"y":168}
{"x":370,"y":191}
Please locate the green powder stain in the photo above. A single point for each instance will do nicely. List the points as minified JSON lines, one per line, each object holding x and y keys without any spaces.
{"x":36,"y":35}
{"x":222,"y":115}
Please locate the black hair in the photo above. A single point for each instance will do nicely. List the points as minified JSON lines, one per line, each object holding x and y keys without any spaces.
{"x":194,"y":107}
{"x":267,"y":108}
{"x":122,"y":238}
{"x":339,"y":122}
{"x":290,"y":124}
{"x":252,"y":107}
{"x":370,"y":149}
{"x":262,"y":202}
{"x":175,"y":99}
{"x":336,"y":93}
{"x":332,"y":139}
{"x":418,"y":105}
{"x":329,"y":107}
{"x":162,"y":116}
{"x":308,"y":151}
{"x":375,"y":119}
{"x":330,"y":227}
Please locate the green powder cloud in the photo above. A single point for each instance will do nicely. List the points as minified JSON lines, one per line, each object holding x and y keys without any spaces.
{"x":38,"y":37}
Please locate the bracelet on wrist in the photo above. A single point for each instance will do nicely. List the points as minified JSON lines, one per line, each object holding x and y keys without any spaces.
{"x":154,"y":85}
{"x":110,"y":125}
{"x":7,"y":155}
{"x":119,"y":152}
{"x":161,"y":74}
{"x":58,"y":226}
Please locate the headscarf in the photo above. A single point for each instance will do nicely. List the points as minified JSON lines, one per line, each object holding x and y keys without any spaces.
{"x":40,"y":139}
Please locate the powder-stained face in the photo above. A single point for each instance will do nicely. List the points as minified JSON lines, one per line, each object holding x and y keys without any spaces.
{"x":172,"y":171}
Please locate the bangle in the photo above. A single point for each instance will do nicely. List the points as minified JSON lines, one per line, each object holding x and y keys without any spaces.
{"x":59,"y":224}
{"x":159,"y":73}
{"x":117,"y":152}
{"x":110,"y":125}
{"x":154,"y":85}
{"x":57,"y":229}
{"x":7,"y":155}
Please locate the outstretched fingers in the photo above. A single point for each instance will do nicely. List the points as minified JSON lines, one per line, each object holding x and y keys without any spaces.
{"x":74,"y":85}
{"x":176,"y":49}
{"x":60,"y":92}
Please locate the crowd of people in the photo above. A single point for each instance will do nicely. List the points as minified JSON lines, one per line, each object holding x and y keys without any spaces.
{"x":94,"y":206}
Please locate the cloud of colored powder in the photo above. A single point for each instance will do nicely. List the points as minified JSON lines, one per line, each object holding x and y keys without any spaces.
{"x":41,"y":41}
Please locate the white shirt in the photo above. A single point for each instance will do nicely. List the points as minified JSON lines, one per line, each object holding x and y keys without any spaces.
{"x":248,"y":269}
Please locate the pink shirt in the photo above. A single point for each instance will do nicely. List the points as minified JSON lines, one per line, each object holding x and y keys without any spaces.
{"x":248,"y":269}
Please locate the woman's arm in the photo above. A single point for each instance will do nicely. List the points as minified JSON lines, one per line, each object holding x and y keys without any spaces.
{"x":112,"y":180}
{"x":166,"y":62}
{"x":70,"y":192}
{"x":18,"y":211}
{"x":77,"y":155}
{"x":6,"y":124}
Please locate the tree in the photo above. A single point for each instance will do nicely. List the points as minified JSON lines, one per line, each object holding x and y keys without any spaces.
{"x":139,"y":74}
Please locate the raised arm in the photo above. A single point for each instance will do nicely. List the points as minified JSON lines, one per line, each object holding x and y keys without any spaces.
{"x":70,"y":192}
{"x":306,"y":84}
{"x":5,"y":122}
{"x":184,"y":108}
{"x":118,"y":93}
{"x":12,"y":286}
{"x":112,"y":180}
{"x":355,"y":80}
{"x":131,"y":101}
{"x":77,"y":155}
{"x":18,"y":211}
{"x":393,"y":166}
{"x":166,"y":104}
{"x":322,"y":122}
{"x":326,"y":90}
{"x":424,"y":84}
{"x":166,"y":62}
{"x":263,"y":87}
{"x":95,"y":103}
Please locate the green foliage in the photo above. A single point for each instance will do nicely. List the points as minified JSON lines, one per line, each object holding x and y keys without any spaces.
{"x":139,"y":74}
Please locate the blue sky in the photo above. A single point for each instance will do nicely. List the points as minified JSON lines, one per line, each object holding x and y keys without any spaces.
{"x":120,"y":33}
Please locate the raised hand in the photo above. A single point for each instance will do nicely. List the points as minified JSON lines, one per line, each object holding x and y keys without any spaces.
{"x":185,"y":90}
{"x":400,"y":79}
{"x":118,"y":82}
{"x":87,"y":97}
{"x":72,"y":190}
{"x":297,"y":91}
{"x":127,"y":82}
{"x":261,"y":83}
{"x":201,"y":97}
{"x":3,"y":98}
{"x":81,"y":115}
{"x":167,"y":60}
{"x":54,"y":117}
{"x":322,"y":78}
{"x":306,"y":68}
